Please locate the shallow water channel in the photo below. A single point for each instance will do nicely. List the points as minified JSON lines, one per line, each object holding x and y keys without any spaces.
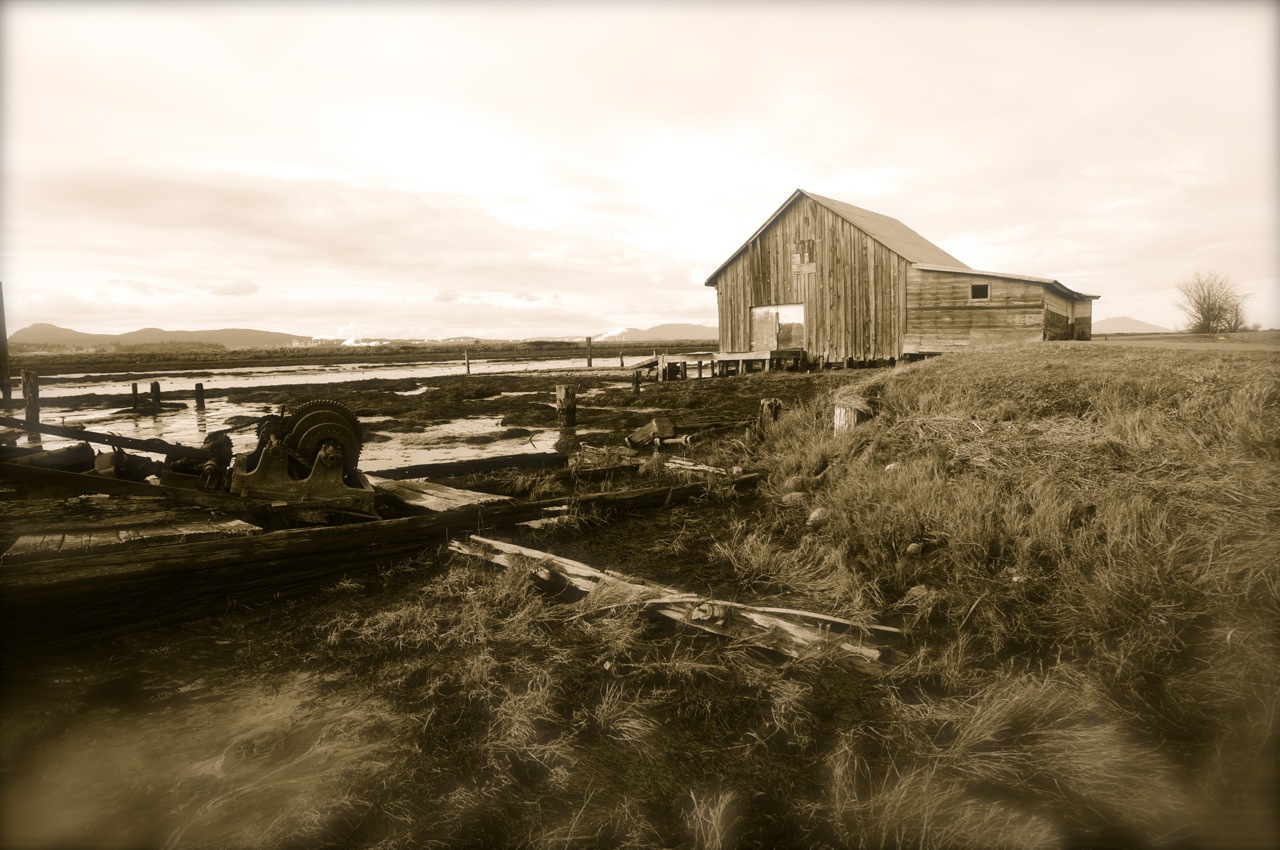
{"x":464,"y":437}
{"x":175,"y":744}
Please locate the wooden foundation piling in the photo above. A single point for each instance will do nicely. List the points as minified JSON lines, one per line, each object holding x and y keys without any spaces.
{"x":566,"y":405}
{"x":770,"y":410}
{"x":31,"y":402}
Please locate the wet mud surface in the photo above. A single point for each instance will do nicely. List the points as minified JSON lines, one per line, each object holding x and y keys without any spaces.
{"x":213,"y":733}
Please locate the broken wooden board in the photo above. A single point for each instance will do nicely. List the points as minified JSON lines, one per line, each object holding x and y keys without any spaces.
{"x":429,"y":496}
{"x":680,"y":464}
{"x":57,"y":545}
{"x":787,"y":631}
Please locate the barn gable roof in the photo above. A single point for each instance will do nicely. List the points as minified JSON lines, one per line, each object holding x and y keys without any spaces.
{"x":890,"y":232}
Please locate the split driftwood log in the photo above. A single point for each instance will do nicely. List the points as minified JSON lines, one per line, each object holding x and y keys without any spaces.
{"x":787,"y":631}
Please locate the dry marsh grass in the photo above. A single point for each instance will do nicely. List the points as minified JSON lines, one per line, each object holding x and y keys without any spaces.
{"x":1081,"y":543}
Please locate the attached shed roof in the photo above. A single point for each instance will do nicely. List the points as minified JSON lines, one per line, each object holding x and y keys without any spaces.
{"x":1047,"y":282}
{"x":889,"y":232}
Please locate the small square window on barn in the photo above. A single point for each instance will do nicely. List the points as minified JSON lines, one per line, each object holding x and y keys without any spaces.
{"x":979,"y":291}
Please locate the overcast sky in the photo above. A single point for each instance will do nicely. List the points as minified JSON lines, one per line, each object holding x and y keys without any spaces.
{"x":426,"y":170}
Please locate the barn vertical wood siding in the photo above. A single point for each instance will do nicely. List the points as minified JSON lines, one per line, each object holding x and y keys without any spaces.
{"x":854,"y":291}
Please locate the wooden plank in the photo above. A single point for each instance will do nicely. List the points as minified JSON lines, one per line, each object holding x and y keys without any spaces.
{"x":447,"y":469}
{"x":787,"y":631}
{"x":32,"y":548}
{"x":430,"y":496}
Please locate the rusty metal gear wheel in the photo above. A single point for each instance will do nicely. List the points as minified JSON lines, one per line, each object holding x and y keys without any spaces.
{"x":313,"y":424}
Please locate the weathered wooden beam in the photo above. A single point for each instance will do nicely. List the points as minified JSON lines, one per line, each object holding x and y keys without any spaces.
{"x":154,"y":446}
{"x":427,"y":496}
{"x":74,"y":482}
{"x":787,"y":631}
{"x":447,"y":469}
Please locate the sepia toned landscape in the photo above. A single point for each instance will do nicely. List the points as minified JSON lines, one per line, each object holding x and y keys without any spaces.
{"x":827,"y":426}
{"x":1065,"y":571}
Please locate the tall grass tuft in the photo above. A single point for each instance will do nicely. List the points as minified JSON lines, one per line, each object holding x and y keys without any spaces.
{"x":1079,"y":543}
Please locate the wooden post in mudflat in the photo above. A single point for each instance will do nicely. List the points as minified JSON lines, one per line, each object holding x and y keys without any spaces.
{"x":155,"y":393}
{"x":588,"y":352}
{"x":31,"y":402}
{"x":566,"y":405}
{"x":635,"y":382}
{"x":6,"y":388}
{"x":135,"y":396}
{"x":621,"y":365}
{"x":466,"y":360}
{"x":770,"y":410}
{"x":199,"y":396}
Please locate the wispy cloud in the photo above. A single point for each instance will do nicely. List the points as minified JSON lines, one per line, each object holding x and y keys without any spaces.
{"x":466,"y":168}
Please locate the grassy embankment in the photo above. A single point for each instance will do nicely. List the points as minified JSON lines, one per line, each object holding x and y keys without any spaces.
{"x":1080,"y":539}
{"x":1093,"y":659}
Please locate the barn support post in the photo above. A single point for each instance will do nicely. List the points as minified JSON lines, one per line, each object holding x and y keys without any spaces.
{"x":31,"y":402}
{"x":566,"y":406}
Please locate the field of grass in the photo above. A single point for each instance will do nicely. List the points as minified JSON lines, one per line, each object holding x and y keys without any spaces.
{"x":1080,"y":540}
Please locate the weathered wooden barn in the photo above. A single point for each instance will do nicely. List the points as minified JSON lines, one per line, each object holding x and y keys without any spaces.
{"x":833,"y":282}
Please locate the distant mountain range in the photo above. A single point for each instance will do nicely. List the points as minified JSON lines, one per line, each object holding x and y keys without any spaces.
{"x":1125,"y":325}
{"x":46,"y":334}
{"x":673,"y":330}
{"x":52,"y":335}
